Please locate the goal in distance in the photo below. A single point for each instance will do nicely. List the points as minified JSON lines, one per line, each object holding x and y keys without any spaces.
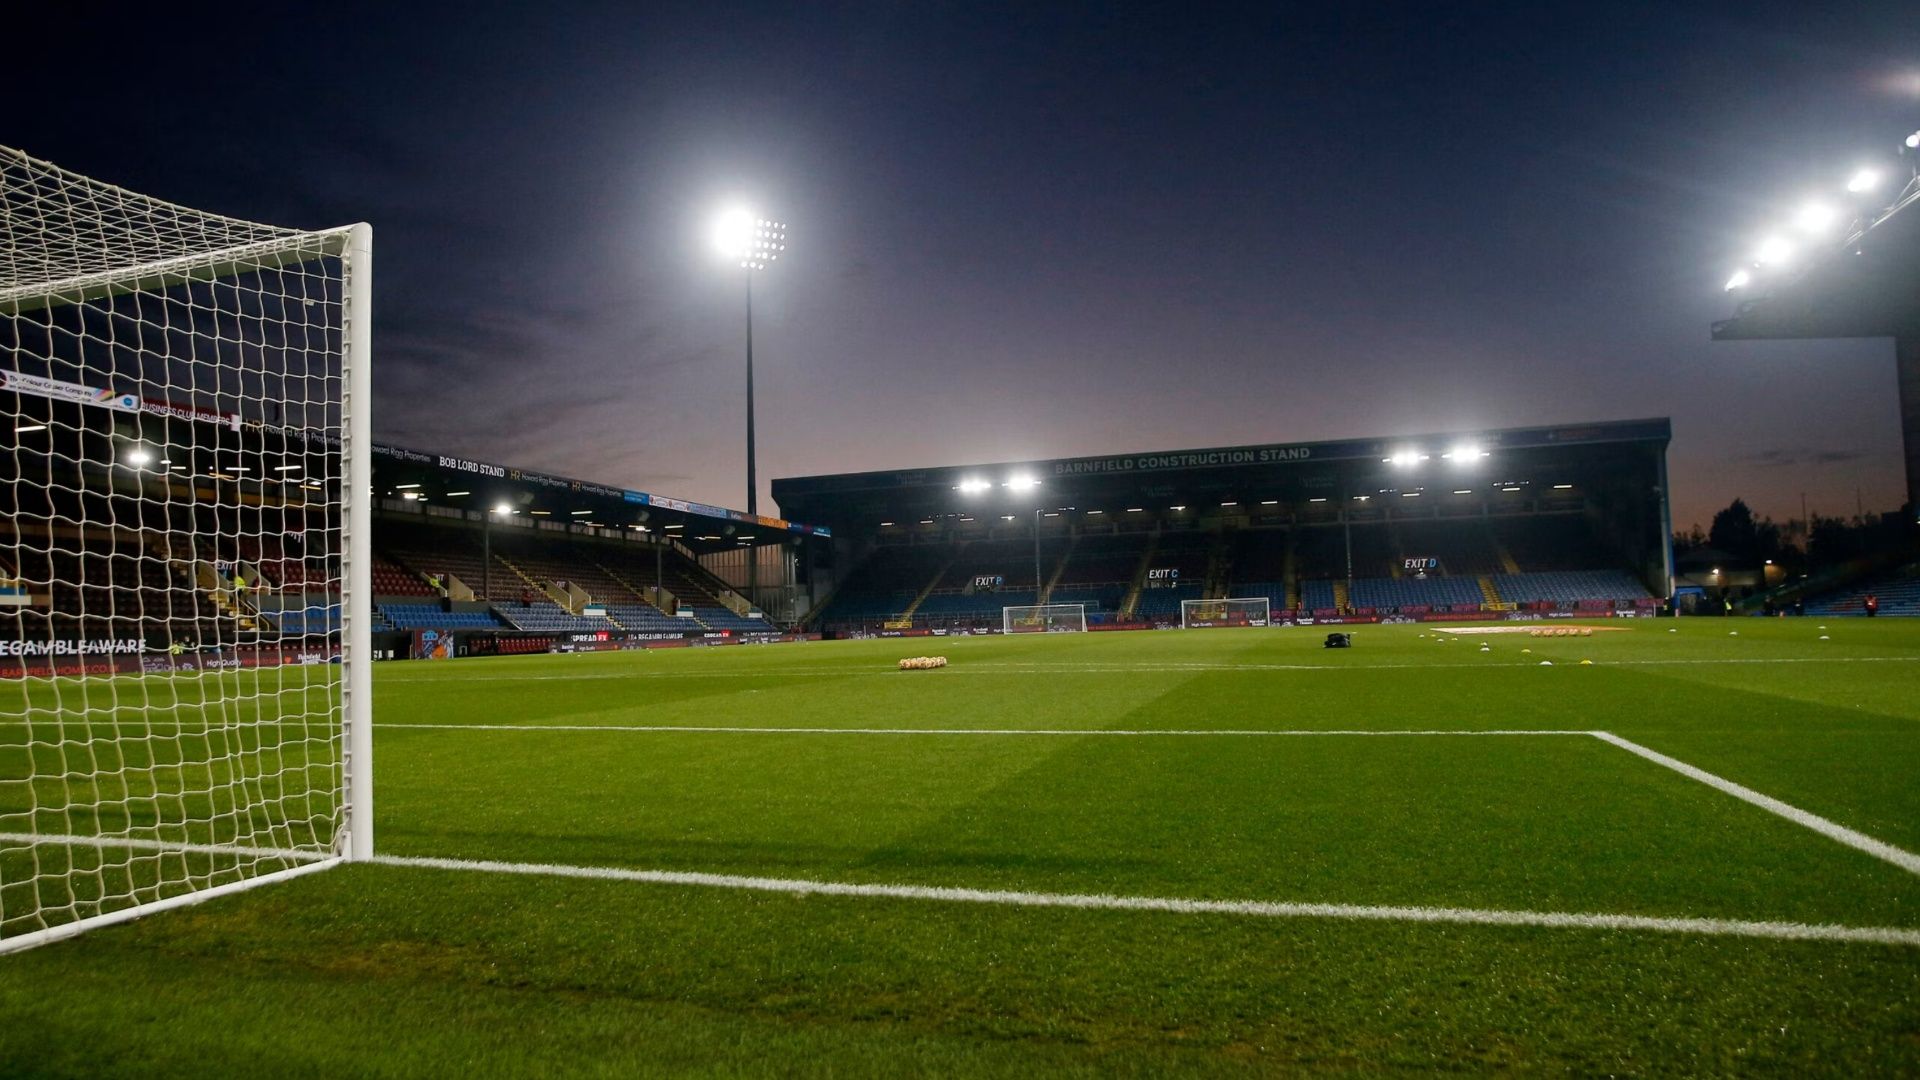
{"x":1230,"y":611}
{"x":1044,"y":619}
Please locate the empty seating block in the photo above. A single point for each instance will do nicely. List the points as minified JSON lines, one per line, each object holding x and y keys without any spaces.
{"x":432,"y":617}
{"x":1569,"y":587}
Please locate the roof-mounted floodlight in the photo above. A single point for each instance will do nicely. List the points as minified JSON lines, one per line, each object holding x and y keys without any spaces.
{"x":1863,"y":180}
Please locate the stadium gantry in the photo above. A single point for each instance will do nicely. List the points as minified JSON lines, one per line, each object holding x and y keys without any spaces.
{"x":1517,"y":523}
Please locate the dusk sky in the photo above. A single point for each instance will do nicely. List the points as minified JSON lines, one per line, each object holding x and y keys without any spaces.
{"x":1036,"y":230}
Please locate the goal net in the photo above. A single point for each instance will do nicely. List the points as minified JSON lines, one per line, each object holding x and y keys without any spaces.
{"x":1236,"y":611}
{"x":184,"y":552}
{"x":1043,"y":618}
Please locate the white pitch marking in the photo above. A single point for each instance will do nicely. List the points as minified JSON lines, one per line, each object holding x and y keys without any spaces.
{"x":995,"y":667}
{"x":144,"y":844}
{"x":1785,"y":931}
{"x":1879,"y":849}
{"x":743,"y":730}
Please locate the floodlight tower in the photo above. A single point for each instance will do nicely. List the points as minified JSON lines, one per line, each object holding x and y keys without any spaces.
{"x":753,"y":242}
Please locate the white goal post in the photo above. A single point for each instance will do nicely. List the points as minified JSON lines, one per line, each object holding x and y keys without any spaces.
{"x":185,"y":509}
{"x":1044,"y":619}
{"x":1231,"y":611}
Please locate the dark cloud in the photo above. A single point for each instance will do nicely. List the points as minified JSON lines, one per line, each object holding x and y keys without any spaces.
{"x":1031,"y":230}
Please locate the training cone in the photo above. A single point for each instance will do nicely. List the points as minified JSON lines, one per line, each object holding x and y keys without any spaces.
{"x":1824,"y":637}
{"x":1526,"y":652}
{"x":1733,"y":633}
{"x":1483,"y":648}
{"x":1546,"y":663}
{"x":1586,"y":663}
{"x":1673,"y":630}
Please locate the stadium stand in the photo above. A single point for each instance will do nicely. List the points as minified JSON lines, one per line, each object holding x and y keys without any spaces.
{"x":547,"y":617}
{"x":1898,"y":594}
{"x":390,"y":579}
{"x":1594,"y":587}
{"x":1410,"y":592}
{"x":435,"y":617}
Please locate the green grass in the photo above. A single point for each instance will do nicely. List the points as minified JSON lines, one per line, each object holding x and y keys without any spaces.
{"x":401,"y":970}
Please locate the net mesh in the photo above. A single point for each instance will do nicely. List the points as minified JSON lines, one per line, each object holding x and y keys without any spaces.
{"x":1224,"y":612}
{"x":1043,"y":618}
{"x":172,"y":548}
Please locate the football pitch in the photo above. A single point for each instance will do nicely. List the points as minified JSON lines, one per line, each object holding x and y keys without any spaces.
{"x":1133,"y":853}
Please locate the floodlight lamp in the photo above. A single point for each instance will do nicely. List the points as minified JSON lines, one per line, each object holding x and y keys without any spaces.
{"x":1465,"y":453}
{"x":972,"y":486}
{"x":1913,"y":141}
{"x":1405,"y":458}
{"x":1863,"y":180}
{"x":1773,"y":251}
{"x":733,"y":233}
{"x":502,"y":509}
{"x":1739,"y":280}
{"x":1023,"y":483}
{"x":1815,"y":218}
{"x":138,"y":456}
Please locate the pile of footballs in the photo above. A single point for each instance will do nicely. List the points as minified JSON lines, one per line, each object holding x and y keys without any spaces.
{"x":922,"y":663}
{"x":1562,"y":631}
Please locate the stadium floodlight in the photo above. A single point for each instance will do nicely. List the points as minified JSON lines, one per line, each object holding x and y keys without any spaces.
{"x":1739,"y":280}
{"x":503,"y":509}
{"x":1815,"y":218}
{"x":972,"y":486}
{"x":1773,"y":251}
{"x":754,"y":242}
{"x":1023,"y":482}
{"x":1863,"y":181}
{"x":171,"y":804}
{"x":1466,"y":453}
{"x":1913,"y":141}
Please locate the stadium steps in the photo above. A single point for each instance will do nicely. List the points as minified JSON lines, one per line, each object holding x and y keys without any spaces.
{"x":1488,"y":593}
{"x":1507,"y":563}
{"x":1073,"y":541}
{"x":820,"y":605}
{"x":641,"y":597}
{"x":1213,"y":584}
{"x":538,"y":586}
{"x":938,"y":576}
{"x":1289,"y":574}
{"x":1340,"y":598}
{"x":220,"y":597}
{"x":1139,"y":582}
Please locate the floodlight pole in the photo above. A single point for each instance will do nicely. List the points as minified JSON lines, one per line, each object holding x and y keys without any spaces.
{"x":1038,"y":585}
{"x":753,"y":483}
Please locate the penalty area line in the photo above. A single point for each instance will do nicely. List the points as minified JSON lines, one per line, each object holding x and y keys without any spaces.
{"x":1832,"y":830}
{"x":1744,"y":928}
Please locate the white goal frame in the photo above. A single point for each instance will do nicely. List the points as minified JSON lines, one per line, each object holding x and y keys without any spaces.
{"x":1041,"y":619}
{"x":73,"y":247}
{"x":1263,"y":616}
